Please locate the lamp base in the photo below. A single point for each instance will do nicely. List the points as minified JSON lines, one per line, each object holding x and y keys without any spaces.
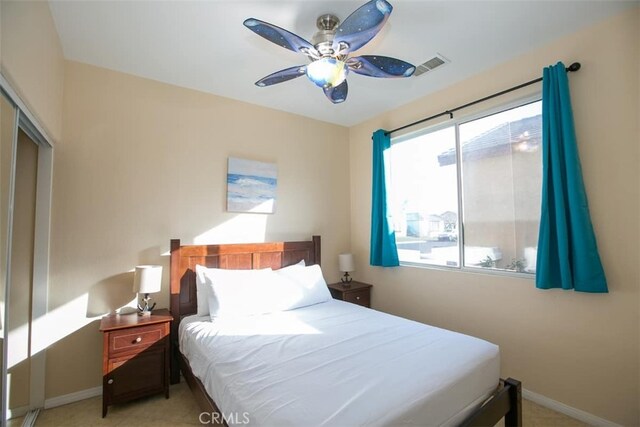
{"x":145,"y":310}
{"x":346,"y":280}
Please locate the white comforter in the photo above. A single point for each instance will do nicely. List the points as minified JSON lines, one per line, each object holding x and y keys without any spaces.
{"x":338,"y":364}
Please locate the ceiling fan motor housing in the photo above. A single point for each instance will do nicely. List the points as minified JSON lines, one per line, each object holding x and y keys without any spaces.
{"x":323,"y":38}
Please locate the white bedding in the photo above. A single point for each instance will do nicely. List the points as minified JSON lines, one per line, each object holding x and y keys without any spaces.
{"x":338,"y":364}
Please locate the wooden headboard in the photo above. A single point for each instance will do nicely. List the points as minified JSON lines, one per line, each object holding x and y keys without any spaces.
{"x":230,"y":256}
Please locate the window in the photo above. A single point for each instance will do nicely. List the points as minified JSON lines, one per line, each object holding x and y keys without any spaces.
{"x":485,"y":174}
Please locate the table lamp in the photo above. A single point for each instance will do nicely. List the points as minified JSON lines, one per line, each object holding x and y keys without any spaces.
{"x":346,"y":264}
{"x":147,"y":280}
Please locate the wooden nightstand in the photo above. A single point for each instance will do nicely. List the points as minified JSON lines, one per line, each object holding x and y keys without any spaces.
{"x":135,"y":358}
{"x":358,"y":293}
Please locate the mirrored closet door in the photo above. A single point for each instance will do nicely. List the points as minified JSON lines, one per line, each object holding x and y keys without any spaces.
{"x":26,"y":158}
{"x":21,"y":269}
{"x":8,"y":132}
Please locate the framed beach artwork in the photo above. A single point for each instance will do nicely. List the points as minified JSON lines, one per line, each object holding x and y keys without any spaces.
{"x":251,"y":186}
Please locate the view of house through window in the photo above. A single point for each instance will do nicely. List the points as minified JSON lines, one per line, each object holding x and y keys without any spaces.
{"x":501,"y":178}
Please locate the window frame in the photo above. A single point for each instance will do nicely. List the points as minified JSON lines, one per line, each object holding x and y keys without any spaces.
{"x":456,"y":122}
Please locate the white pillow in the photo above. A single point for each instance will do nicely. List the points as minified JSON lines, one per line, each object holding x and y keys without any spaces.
{"x":238,"y":292}
{"x":233,"y":293}
{"x":311,"y":288}
{"x":300,"y":263}
{"x":202,"y":291}
{"x":203,"y":287}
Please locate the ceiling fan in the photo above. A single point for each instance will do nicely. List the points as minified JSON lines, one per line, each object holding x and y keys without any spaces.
{"x":330,"y":49}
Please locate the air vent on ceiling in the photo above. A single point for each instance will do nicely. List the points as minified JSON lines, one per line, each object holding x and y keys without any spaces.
{"x":430,"y":64}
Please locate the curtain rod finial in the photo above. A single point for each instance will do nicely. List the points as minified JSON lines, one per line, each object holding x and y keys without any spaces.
{"x":574,"y":67}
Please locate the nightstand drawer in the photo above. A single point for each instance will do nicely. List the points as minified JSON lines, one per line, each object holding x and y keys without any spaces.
{"x":134,"y":340}
{"x":360,"y":297}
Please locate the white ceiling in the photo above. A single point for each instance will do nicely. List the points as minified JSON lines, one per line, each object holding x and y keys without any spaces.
{"x":204,"y":46}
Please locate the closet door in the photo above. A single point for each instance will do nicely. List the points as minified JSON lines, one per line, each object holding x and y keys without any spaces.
{"x":8,"y":129}
{"x":21,"y":267}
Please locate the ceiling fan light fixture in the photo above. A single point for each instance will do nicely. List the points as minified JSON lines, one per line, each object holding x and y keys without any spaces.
{"x":331,"y":47}
{"x":327,"y":72}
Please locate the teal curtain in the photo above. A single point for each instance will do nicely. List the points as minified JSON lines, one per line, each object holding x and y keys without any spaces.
{"x":383,"y":251}
{"x":567,"y":251}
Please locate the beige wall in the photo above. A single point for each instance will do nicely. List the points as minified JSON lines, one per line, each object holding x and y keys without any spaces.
{"x":32,"y":61}
{"x":579,"y":349}
{"x":143,"y":162}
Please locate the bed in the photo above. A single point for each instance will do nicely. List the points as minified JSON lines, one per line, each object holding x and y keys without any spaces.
{"x":380,"y":370}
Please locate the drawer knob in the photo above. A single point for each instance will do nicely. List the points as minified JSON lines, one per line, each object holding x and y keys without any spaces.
{"x":139,"y":339}
{"x":110,"y":381}
{"x":358,"y":298}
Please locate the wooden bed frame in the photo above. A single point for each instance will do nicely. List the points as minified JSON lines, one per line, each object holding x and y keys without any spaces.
{"x":506,"y":401}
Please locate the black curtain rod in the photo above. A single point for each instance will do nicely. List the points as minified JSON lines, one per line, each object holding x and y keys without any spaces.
{"x":573,"y":67}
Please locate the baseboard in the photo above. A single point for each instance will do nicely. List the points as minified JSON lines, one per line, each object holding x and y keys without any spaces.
{"x":65,"y":399}
{"x":17,"y":412}
{"x":578,"y":414}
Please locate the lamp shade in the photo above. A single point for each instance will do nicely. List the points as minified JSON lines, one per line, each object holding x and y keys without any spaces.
{"x":346,"y":262}
{"x":148,"y":279}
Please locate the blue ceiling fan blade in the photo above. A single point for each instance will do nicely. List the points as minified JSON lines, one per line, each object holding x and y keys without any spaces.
{"x":280,"y":36}
{"x":282,"y":76}
{"x":361,"y":26}
{"x":380,"y":66}
{"x":337,"y":94}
